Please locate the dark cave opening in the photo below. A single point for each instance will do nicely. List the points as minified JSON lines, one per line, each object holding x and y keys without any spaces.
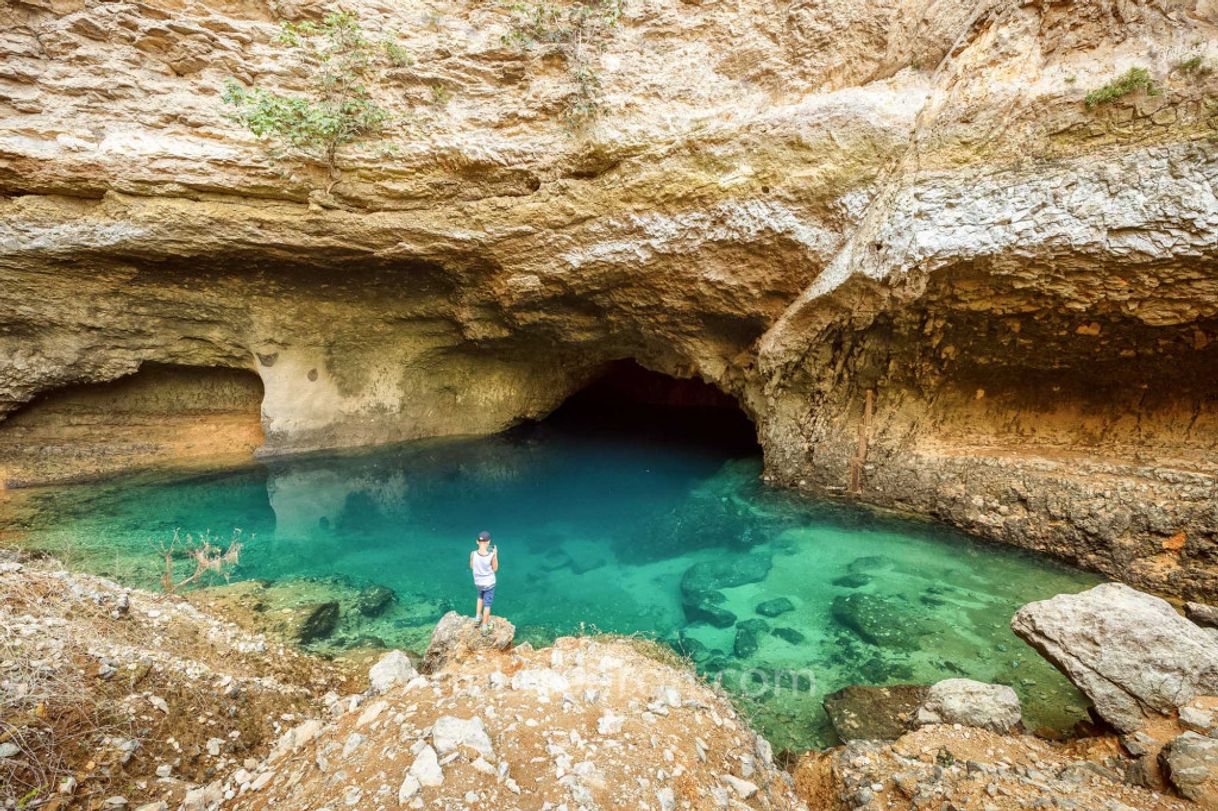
{"x":629,"y":403}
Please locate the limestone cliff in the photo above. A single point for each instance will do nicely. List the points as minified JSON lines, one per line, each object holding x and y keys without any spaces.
{"x":812,"y":206}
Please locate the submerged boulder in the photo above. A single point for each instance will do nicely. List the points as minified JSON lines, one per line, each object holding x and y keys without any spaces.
{"x":973,"y":704}
{"x":859,"y":712}
{"x":700,"y":586}
{"x":882,"y":621}
{"x":1129,"y":652}
{"x":707,"y":607}
{"x":789,"y":635}
{"x":748,"y":637}
{"x":373,"y":600}
{"x":775,"y":607}
{"x":725,"y":572}
{"x":308,"y":623}
{"x":457,"y":635}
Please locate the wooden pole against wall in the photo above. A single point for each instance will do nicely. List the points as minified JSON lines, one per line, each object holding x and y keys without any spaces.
{"x":860,"y":457}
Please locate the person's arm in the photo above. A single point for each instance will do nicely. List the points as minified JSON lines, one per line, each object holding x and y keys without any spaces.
{"x":495,"y":560}
{"x":471,"y":561}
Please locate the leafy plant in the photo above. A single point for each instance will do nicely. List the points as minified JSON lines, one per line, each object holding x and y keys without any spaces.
{"x":337,"y":109}
{"x":439,"y":95}
{"x":578,"y":30}
{"x":1195,"y":66}
{"x":396,"y":54}
{"x":1128,"y":82}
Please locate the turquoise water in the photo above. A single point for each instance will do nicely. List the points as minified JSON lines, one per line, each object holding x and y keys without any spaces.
{"x":598,"y":530}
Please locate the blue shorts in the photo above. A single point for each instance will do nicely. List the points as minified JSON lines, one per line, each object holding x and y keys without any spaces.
{"x":486,"y":595}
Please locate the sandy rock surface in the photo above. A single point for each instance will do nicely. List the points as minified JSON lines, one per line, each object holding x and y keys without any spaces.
{"x":587,"y":723}
{"x":116,"y":692}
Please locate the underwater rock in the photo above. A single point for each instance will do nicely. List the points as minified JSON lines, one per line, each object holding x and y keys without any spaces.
{"x":372,"y":601}
{"x":701,"y":582}
{"x":878,"y":620}
{"x":748,"y":635}
{"x":789,"y":634}
{"x":726,"y":572}
{"x":869,"y":563}
{"x":695,"y":650}
{"x":311,"y":622}
{"x":972,"y":703}
{"x":1129,"y":652}
{"x":859,"y":712}
{"x":775,"y":607}
{"x":707,"y":607}
{"x":553,"y":560}
{"x":456,"y":635}
{"x":364,"y":641}
{"x":852,"y":581}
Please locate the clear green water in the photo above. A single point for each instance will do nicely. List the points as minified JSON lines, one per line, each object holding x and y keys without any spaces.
{"x":596,"y":530}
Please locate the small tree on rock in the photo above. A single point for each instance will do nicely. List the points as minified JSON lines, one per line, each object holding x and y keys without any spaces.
{"x":337,"y":109}
{"x":579,"y":29}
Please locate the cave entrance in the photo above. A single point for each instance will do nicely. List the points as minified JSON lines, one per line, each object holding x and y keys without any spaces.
{"x":629,"y":403}
{"x":162,"y":416}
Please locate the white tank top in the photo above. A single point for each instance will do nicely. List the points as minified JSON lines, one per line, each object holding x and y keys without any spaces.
{"x":484,"y":575}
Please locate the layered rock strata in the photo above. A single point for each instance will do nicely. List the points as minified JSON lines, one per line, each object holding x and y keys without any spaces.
{"x":931,"y":274}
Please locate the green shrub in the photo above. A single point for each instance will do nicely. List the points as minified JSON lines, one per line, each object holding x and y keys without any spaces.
{"x":1128,"y":82}
{"x":1194,"y":66}
{"x":396,"y":54}
{"x":337,"y":109}
{"x":578,"y":29}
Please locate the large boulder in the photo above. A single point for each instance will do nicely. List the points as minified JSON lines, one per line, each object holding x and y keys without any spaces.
{"x":1191,"y":763}
{"x":859,"y":712}
{"x":457,"y":635}
{"x":973,"y":704}
{"x":1129,"y":652}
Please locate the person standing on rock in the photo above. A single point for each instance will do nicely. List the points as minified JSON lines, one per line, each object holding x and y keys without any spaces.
{"x":484,"y":562}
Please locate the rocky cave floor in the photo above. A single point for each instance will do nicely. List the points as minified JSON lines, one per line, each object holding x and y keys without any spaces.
{"x":117,"y":697}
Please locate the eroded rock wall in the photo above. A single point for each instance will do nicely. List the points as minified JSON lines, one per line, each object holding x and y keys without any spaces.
{"x":162,"y":415}
{"x":798,"y":204}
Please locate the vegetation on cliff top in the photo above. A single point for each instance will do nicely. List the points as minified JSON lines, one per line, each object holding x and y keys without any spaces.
{"x":338,"y":107}
{"x":578,"y":30}
{"x":1128,"y":82}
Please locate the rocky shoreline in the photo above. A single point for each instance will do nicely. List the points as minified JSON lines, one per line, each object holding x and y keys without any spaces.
{"x":194,"y":713}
